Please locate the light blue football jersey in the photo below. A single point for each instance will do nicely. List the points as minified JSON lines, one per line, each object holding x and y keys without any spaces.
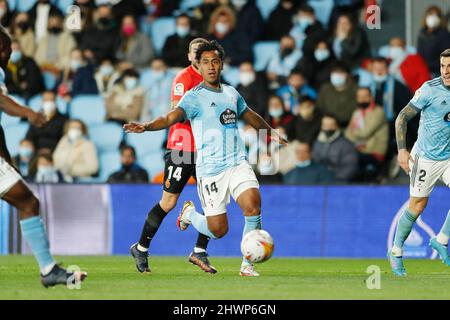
{"x":214,"y":114}
{"x":433,"y":100}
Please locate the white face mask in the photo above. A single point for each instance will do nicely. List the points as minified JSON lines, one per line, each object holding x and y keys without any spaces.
{"x":321,"y":54}
{"x":303,"y":164}
{"x":395,"y":52}
{"x":106,"y":70}
{"x":130,"y":83}
{"x":432,"y":21}
{"x":338,"y":79}
{"x":74,"y":134}
{"x":49,"y":107}
{"x":221,"y":27}
{"x":266,"y":168}
{"x":75,"y":65}
{"x":246,"y":78}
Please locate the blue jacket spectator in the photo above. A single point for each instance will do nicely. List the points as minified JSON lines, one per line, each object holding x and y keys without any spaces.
{"x":295,"y":88}
{"x":281,"y":65}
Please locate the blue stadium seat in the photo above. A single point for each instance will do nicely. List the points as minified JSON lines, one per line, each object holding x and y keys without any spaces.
{"x":266,"y":7}
{"x":322,"y":10}
{"x":88,"y":108}
{"x":13,"y":135}
{"x":64,"y":4}
{"x":153,"y":163}
{"x":264,"y":51}
{"x":161,"y":29}
{"x":146,"y":143}
{"x":106,"y":136}
{"x":231,"y":75}
{"x":187,"y":4}
{"x":109,"y":163}
{"x":24,"y":5}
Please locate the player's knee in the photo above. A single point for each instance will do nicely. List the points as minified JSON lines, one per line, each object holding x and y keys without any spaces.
{"x":168,"y":203}
{"x":418,"y":206}
{"x":30,"y":207}
{"x":219,"y":231}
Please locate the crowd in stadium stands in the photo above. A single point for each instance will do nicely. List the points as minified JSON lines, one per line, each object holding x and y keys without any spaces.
{"x":322,"y":84}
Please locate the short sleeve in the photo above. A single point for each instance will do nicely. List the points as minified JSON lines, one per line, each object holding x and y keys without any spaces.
{"x":241,"y":105}
{"x":189,"y":105}
{"x":422,"y":97}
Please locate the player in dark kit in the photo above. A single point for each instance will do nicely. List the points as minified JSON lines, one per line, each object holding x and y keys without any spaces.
{"x":179,"y":167}
{"x":14,"y":190}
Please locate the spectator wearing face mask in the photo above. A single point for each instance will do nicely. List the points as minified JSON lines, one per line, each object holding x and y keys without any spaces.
{"x":22,"y":75}
{"x":368,"y":130}
{"x":280,"y":19}
{"x":78,"y":77}
{"x":106,"y":76}
{"x":40,"y":15}
{"x":334,"y":150}
{"x":176,"y":45}
{"x":21,"y":31}
{"x":201,"y":16}
{"x":306,"y":171}
{"x":278,"y":116}
{"x":409,"y":69}
{"x":157,"y":91}
{"x":53,"y":49}
{"x":47,"y":137}
{"x":295,"y":88}
{"x":24,"y":159}
{"x":317,"y":66}
{"x":126,"y":101}
{"x":248,"y":19}
{"x":252,"y":87}
{"x":135,"y":47}
{"x":75,"y":155}
{"x":392,"y":95}
{"x":281,"y":65}
{"x":46,"y":171}
{"x":307,"y":30}
{"x":433,"y":38}
{"x":306,"y":123}
{"x":102,"y":38}
{"x":337,"y":97}
{"x":350,"y":43}
{"x":130,"y":172}
{"x":237,"y":45}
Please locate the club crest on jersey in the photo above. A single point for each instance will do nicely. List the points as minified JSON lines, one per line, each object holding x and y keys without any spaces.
{"x":178,"y":90}
{"x":228,"y":118}
{"x":447,"y":117}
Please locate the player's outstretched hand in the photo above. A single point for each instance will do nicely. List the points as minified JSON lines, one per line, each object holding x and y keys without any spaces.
{"x":37,"y":119}
{"x":134,"y":127}
{"x":403,"y":160}
{"x":279,"y":139}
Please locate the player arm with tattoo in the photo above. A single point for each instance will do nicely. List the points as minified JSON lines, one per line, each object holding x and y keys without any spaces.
{"x":401,"y":124}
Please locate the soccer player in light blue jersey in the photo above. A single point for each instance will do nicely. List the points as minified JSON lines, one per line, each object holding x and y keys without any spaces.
{"x":429,"y":159}
{"x":222,"y":167}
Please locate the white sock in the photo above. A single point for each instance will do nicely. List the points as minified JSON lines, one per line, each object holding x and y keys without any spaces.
{"x":46,"y":270}
{"x":141,"y":248}
{"x":396,"y":251}
{"x":199,"y":250}
{"x":442,"y":238}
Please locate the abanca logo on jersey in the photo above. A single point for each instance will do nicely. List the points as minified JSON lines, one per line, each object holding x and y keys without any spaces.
{"x":228,"y":118}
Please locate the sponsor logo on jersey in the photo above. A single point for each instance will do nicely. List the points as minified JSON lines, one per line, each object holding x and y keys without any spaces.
{"x":228,"y":118}
{"x":178,"y":90}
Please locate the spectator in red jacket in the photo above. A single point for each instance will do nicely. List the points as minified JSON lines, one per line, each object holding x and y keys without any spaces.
{"x":409,"y":69}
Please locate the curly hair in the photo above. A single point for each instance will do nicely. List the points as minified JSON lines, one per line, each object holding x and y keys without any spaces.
{"x":210,"y":46}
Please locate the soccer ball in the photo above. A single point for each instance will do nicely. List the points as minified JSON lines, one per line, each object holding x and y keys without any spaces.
{"x":257,"y":246}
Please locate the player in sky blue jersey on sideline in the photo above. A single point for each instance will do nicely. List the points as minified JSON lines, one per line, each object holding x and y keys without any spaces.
{"x":222,"y":167}
{"x":429,"y":159}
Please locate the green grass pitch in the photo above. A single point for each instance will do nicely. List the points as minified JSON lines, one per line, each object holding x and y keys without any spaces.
{"x":174,"y":278}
